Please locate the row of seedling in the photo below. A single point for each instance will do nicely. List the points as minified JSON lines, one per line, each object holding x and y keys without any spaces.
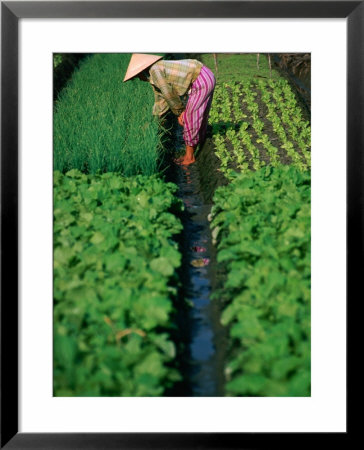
{"x":274,"y":124}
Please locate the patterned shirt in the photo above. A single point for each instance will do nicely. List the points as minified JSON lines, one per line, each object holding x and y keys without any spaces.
{"x":171,"y":80}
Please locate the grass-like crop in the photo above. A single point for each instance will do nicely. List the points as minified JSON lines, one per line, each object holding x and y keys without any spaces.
{"x":261,"y":222}
{"x":114,"y":264}
{"x":104,"y":125}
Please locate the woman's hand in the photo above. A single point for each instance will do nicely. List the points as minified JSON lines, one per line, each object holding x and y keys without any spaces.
{"x":181,"y":119}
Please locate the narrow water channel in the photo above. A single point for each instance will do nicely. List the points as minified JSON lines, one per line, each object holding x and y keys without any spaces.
{"x":203,"y":364}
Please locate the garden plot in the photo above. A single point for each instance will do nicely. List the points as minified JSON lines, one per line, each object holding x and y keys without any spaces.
{"x":115,"y":259}
{"x":261,"y":228}
{"x":104,"y":125}
{"x":261,"y":224}
{"x":259,"y":123}
{"x":114,"y":263}
{"x":117,"y":266}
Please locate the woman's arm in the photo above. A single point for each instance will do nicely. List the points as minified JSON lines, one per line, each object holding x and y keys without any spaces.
{"x":173,"y":100}
{"x":160,"y":105}
{"x":181,"y":119}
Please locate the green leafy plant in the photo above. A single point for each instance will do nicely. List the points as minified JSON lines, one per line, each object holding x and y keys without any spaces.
{"x":114,"y":263}
{"x":261,"y":222}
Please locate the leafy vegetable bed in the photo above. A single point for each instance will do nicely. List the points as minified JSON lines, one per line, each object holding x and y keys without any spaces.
{"x":257,"y":124}
{"x":261,"y":221}
{"x":114,"y":259}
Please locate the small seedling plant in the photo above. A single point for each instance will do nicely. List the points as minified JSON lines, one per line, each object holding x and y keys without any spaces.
{"x":252,"y":118}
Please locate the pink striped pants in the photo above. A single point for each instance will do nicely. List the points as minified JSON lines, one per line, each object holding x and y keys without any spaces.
{"x":198,"y":107}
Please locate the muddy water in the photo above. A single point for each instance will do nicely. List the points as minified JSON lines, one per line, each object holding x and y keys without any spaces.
{"x":203,"y":332}
{"x":202,"y":365}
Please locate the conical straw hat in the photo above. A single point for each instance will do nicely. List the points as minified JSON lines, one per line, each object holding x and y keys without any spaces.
{"x":139,"y":62}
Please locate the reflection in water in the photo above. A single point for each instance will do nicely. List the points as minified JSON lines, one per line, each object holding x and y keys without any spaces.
{"x":197,"y":249}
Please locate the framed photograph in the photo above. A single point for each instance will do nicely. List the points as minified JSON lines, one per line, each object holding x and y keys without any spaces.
{"x":72,"y":380}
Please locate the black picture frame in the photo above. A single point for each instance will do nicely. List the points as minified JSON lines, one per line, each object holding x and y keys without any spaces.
{"x":11,"y":12}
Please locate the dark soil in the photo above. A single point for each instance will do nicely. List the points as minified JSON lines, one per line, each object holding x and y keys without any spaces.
{"x":300,"y":84}
{"x":288,"y":134}
{"x":262,"y":151}
{"x":248,"y":156}
{"x":268,"y":129}
{"x":210,"y":174}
